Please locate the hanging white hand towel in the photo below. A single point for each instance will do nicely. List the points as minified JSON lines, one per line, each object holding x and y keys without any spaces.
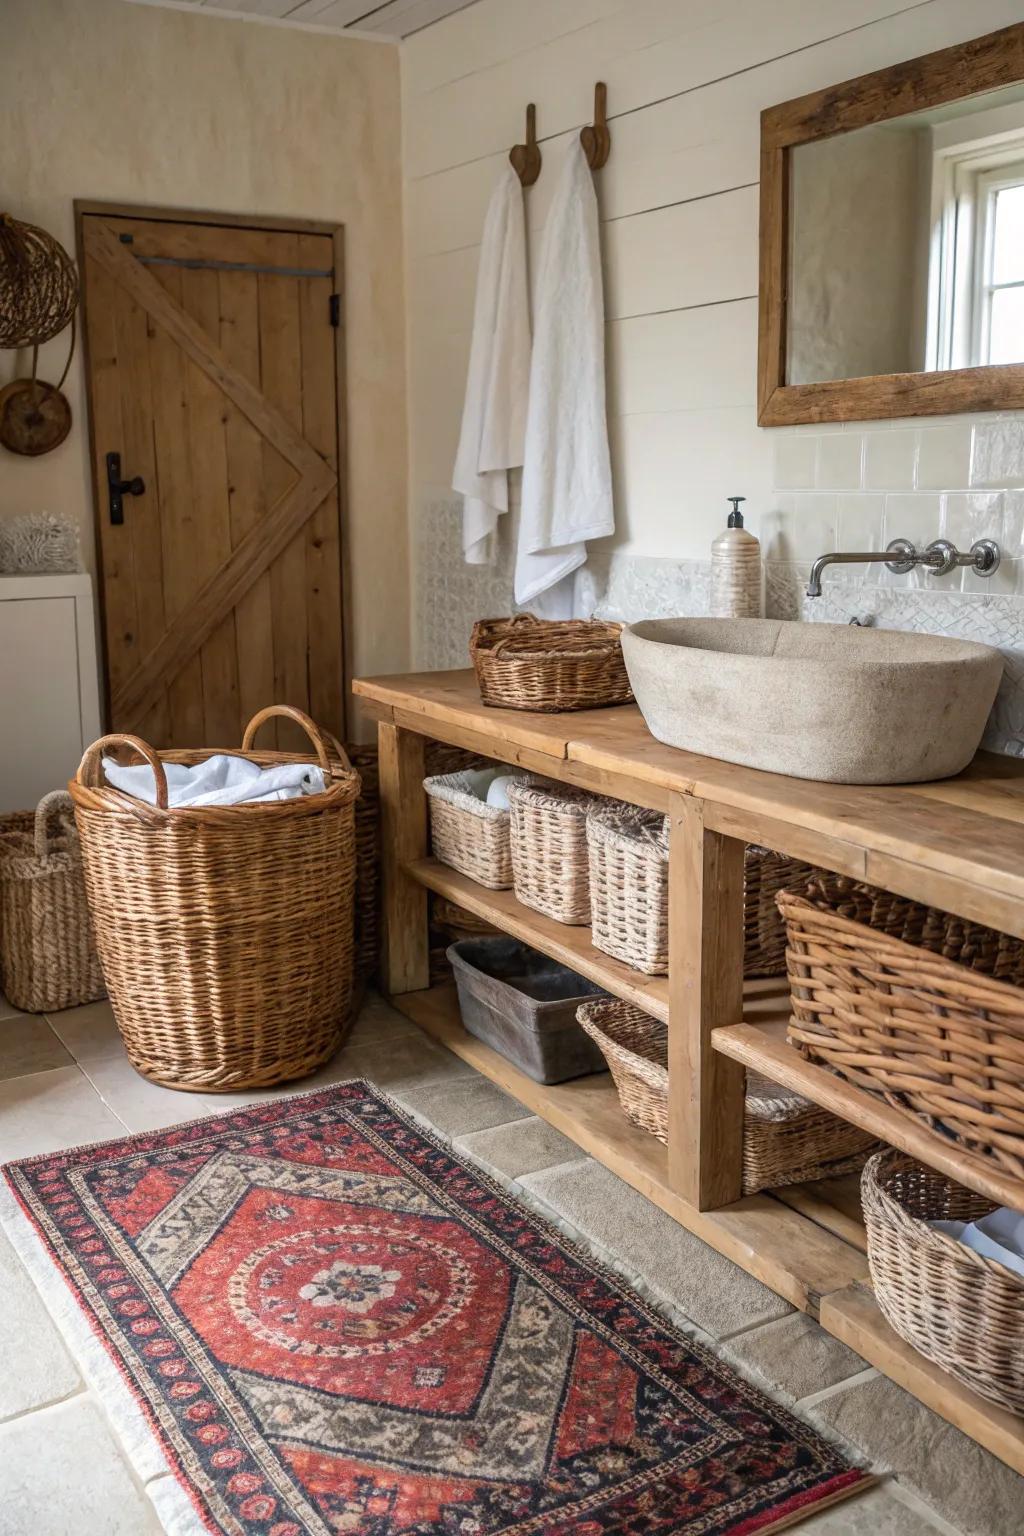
{"x":567,"y":478}
{"x":494,"y":413}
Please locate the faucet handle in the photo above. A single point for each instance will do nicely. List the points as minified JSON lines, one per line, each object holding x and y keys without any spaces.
{"x":904,"y":557}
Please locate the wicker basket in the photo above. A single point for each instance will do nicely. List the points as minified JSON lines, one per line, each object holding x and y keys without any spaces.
{"x":468,"y":834}
{"x":226,"y":933}
{"x":958,"y":1308}
{"x":549,"y":665}
{"x":450,"y":924}
{"x":550,"y":866}
{"x":935,"y":1038}
{"x":628,"y":852}
{"x":48,"y":959}
{"x":786,"y":1139}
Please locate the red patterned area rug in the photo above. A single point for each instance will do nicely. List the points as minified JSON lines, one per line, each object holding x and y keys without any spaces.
{"x":331,"y":1324}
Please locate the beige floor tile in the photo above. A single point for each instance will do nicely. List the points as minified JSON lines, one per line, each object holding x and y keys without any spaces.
{"x":794,"y":1356}
{"x":51,"y":1110}
{"x":460,"y":1105}
{"x":88,"y":1032}
{"x":28,"y":1044}
{"x":36,"y":1367}
{"x":977,"y":1494}
{"x":526,"y":1146}
{"x":140,"y":1104}
{"x":61,"y":1474}
{"x":879,"y":1512}
{"x":379,"y":1021}
{"x":651,"y":1249}
{"x":8,"y":1010}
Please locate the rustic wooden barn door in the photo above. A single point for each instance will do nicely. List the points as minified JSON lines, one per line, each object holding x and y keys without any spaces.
{"x":211,"y":361}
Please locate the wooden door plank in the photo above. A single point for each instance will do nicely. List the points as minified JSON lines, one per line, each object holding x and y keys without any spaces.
{"x":212,"y":547}
{"x":183,"y":683}
{"x":705,"y":1133}
{"x":120,"y":614}
{"x":322,"y":532}
{"x":240,"y":341}
{"x":143,"y":513}
{"x":281,"y":382}
{"x":148,"y":287}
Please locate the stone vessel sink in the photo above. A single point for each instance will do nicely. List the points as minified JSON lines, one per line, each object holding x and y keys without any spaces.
{"x":816,"y":701}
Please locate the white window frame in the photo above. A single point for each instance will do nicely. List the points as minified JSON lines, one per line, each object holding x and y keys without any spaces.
{"x":965,"y":182}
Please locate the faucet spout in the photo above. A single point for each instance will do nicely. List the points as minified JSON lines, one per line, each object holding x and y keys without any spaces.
{"x":899,"y":557}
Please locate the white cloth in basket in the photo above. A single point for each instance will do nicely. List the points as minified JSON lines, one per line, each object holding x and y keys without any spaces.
{"x":218,"y":780}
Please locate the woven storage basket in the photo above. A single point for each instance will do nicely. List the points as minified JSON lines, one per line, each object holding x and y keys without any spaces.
{"x":48,"y":959}
{"x":468,"y":834}
{"x":935,"y":1038}
{"x":958,"y":1308}
{"x":786,"y":1139}
{"x":450,"y":924}
{"x":549,"y":665}
{"x":226,"y":933}
{"x":550,"y":864}
{"x":628,"y":853}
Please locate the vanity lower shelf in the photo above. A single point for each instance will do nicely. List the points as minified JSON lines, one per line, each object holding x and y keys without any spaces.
{"x":762,"y":1045}
{"x":569,"y":945}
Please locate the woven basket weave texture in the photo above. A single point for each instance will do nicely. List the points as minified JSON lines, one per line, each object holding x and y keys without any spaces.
{"x":786,"y":1139}
{"x":225,"y":933}
{"x":549,"y":665}
{"x":48,"y":958}
{"x":550,"y":863}
{"x":937,"y":1039}
{"x":958,"y":1308}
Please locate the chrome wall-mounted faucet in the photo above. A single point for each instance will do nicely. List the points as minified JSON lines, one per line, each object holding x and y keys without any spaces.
{"x":900,"y":556}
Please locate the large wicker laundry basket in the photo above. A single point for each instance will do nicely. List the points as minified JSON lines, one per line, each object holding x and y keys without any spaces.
{"x":48,"y":959}
{"x":225,"y":933}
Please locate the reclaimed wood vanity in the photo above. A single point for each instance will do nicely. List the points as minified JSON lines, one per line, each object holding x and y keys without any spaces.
{"x":957,"y":844}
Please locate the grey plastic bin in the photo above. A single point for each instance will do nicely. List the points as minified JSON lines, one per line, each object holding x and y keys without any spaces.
{"x":523,"y":1004}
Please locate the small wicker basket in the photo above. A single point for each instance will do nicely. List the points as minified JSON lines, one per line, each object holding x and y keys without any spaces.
{"x":550,"y":866}
{"x":939,"y":1040}
{"x":225,"y":932}
{"x":48,"y":959}
{"x":549,"y":665}
{"x":958,"y":1308}
{"x":628,"y":853}
{"x":786,"y":1139}
{"x":466,"y":833}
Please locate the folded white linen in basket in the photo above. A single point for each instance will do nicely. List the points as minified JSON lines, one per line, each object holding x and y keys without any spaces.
{"x":999,"y":1235}
{"x":218,"y":780}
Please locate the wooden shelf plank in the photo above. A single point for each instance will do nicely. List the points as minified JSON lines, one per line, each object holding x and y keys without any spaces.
{"x":764,"y":1048}
{"x":571,"y":946}
{"x":795,"y":1257}
{"x":853,"y":1316}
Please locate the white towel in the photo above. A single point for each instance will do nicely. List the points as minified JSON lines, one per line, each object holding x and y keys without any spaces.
{"x":494,"y":413}
{"x":218,"y":780}
{"x":567,"y":478}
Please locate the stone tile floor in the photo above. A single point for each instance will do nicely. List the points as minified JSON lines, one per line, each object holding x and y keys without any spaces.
{"x":65,"y":1081}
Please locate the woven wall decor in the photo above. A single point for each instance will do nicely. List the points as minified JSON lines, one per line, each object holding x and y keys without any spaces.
{"x":38,"y":285}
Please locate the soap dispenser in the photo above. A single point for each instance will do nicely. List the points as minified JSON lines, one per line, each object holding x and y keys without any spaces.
{"x":737,"y":587}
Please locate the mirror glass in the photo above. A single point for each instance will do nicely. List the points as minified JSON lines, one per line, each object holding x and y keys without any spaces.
{"x":906,"y":244}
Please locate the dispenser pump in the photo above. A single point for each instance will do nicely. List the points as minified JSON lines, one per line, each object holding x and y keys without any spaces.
{"x":735,"y":516}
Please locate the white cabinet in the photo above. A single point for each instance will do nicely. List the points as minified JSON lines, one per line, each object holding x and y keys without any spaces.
{"x":49,"y":689}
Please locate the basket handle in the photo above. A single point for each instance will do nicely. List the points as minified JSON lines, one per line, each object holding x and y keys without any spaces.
{"x":321,"y":740}
{"x":50,"y":802}
{"x":88,"y":767}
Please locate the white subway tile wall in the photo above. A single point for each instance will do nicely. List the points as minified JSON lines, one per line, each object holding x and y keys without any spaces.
{"x":953,"y":477}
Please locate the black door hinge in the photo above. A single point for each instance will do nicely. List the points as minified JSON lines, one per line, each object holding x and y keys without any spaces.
{"x":334,"y":308}
{"x":127,"y":239}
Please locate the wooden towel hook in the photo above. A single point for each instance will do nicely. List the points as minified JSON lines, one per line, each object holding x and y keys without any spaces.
{"x":525,"y":158}
{"x":595,"y":138}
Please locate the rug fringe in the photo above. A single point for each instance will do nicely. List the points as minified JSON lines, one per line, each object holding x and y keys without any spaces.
{"x":143,"y":1450}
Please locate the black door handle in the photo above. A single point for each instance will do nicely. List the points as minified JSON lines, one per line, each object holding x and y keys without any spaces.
{"x":118,"y":488}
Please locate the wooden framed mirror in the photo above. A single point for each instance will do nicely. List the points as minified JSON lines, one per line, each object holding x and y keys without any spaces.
{"x":892,"y":241}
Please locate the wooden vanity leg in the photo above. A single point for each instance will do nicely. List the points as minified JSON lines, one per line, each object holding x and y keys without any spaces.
{"x":706,"y":1089}
{"x":403,"y":824}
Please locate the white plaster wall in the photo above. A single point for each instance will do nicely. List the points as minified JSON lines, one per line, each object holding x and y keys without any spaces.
{"x":129,"y":103}
{"x":679,"y":199}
